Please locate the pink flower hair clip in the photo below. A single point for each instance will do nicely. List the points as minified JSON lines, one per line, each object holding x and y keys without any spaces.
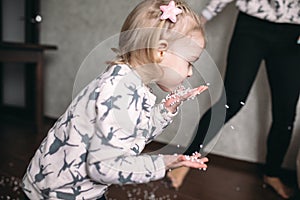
{"x":170,"y":11}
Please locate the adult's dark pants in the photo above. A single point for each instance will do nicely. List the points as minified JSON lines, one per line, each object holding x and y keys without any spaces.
{"x":253,"y":41}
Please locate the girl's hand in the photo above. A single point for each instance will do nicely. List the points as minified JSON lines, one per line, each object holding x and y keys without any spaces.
{"x":192,"y":93}
{"x":194,"y":161}
{"x":175,"y":98}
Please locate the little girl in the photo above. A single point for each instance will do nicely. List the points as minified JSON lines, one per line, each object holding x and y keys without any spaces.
{"x":98,"y":140}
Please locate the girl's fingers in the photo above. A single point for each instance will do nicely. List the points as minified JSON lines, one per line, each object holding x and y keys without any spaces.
{"x":175,"y":99}
{"x":194,"y":164}
{"x":194,"y":157}
{"x":199,"y":89}
{"x":193,"y":161}
{"x":202,"y":88}
{"x":194,"y":92}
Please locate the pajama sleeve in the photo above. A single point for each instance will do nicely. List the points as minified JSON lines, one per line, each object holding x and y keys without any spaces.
{"x":160,"y":119}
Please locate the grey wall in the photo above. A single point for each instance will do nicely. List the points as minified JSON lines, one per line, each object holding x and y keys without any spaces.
{"x":13,"y":73}
{"x":78,"y":26}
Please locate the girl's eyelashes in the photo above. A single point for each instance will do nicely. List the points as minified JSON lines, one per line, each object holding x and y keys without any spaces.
{"x":191,"y":64}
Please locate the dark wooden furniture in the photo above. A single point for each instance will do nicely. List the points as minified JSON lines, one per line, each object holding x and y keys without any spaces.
{"x":29,"y":53}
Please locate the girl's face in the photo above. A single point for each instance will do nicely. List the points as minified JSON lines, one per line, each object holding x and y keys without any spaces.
{"x":176,"y":61}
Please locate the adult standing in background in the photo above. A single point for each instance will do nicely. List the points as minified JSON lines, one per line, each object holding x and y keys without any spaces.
{"x":266,"y":30}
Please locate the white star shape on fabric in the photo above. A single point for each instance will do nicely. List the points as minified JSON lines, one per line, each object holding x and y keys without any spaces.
{"x":170,"y":11}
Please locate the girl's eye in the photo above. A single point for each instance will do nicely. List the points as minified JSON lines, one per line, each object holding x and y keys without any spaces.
{"x":191,"y":64}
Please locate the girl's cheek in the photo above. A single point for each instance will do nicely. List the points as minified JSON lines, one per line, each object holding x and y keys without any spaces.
{"x":170,"y":79}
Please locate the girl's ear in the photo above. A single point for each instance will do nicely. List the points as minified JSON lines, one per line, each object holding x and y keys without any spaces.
{"x":162,"y":45}
{"x":162,"y":48}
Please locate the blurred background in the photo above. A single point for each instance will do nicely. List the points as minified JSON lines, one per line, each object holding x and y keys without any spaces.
{"x":44,"y":44}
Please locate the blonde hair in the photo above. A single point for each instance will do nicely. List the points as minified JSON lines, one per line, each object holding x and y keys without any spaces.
{"x":142,"y":30}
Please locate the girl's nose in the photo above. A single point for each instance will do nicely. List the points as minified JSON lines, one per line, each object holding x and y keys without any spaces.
{"x":190,"y":71}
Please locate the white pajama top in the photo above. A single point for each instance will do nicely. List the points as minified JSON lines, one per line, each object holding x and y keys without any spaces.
{"x":98,"y":140}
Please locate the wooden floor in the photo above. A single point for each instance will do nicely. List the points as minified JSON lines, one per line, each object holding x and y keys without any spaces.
{"x":225,"y":179}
